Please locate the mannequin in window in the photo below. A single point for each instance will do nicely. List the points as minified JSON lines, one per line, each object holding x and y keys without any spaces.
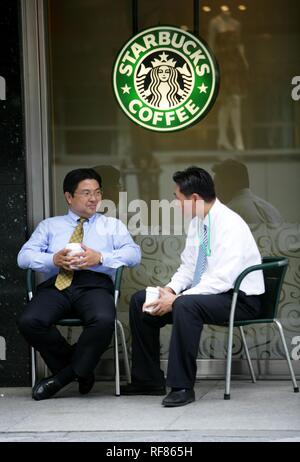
{"x":224,"y":39}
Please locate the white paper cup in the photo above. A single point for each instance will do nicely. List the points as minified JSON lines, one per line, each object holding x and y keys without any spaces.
{"x":74,"y":248}
{"x":152,"y":294}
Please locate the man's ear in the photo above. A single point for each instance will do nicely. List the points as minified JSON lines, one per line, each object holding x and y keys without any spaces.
{"x":196,"y":197}
{"x":68,"y":197}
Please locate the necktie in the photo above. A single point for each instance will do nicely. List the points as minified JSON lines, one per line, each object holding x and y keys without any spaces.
{"x":64,"y":277}
{"x":202,"y":259}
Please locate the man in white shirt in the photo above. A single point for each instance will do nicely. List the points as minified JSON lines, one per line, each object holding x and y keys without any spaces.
{"x":200,"y":292}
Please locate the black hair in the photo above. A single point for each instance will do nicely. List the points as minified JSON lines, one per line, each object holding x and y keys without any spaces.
{"x":196,"y":180}
{"x":73,"y":178}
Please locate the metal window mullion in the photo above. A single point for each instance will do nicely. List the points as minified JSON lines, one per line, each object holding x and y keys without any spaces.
{"x":36,"y":110}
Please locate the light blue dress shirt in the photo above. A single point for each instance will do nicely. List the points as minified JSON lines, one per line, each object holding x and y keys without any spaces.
{"x":102,"y":234}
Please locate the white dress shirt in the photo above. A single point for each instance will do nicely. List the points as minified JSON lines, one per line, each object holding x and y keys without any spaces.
{"x":232,"y":250}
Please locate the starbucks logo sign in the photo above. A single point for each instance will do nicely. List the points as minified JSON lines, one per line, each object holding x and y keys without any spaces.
{"x":165,"y":79}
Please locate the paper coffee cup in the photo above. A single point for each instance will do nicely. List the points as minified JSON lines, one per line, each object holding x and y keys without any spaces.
{"x":74,"y":248}
{"x":152,"y":294}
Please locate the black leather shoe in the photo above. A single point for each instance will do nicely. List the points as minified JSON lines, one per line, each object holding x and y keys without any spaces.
{"x":179,"y":398}
{"x":85,"y":384}
{"x":138,"y":389}
{"x":46,"y":388}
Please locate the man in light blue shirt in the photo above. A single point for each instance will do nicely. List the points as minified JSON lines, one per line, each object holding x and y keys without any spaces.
{"x":80,"y":284}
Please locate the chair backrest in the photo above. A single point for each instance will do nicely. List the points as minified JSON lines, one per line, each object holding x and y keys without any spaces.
{"x":273,"y":278}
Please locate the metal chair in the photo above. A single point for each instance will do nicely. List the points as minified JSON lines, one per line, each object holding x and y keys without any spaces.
{"x":76,"y":322}
{"x":274,"y":269}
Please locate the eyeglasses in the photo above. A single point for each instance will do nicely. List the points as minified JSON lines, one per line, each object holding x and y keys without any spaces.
{"x":89,"y":194}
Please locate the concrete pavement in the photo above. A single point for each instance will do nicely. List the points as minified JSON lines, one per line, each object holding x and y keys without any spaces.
{"x":265,"y":411}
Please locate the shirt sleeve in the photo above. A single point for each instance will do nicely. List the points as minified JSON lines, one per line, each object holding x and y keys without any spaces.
{"x":183,"y":277}
{"x":125,"y":252}
{"x":34,"y":254}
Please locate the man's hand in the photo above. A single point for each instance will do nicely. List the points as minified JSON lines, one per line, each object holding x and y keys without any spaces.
{"x":169,"y":290}
{"x":62,"y":260}
{"x":86,"y":259}
{"x":163,"y":305}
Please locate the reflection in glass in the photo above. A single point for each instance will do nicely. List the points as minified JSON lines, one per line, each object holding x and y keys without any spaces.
{"x":89,"y":129}
{"x":225,"y":40}
{"x":233,"y":188}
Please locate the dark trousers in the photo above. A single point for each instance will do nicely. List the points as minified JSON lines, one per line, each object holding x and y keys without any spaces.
{"x":90,"y":298}
{"x":189,"y":314}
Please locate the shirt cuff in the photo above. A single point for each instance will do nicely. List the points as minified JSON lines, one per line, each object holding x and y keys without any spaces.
{"x":192,"y":291}
{"x":45,"y":260}
{"x":176,"y":287}
{"x":108,"y":261}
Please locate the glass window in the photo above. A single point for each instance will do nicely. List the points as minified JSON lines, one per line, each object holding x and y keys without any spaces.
{"x":249,"y":141}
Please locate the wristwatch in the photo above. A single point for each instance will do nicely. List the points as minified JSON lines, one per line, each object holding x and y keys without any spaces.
{"x":101,"y":259}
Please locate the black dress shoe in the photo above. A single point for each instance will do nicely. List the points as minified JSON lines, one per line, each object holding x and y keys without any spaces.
{"x":85,"y":384}
{"x":46,"y":388}
{"x":138,"y":389}
{"x":179,"y":398}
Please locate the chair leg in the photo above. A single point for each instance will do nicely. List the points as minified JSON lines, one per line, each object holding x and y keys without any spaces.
{"x":117,"y":367}
{"x":229,"y":347}
{"x":278,"y":323}
{"x":33,"y":367}
{"x":69,"y":334}
{"x":247,"y":354}
{"x":258,"y":361}
{"x":46,"y":370}
{"x":125,"y":353}
{"x":228,"y":365}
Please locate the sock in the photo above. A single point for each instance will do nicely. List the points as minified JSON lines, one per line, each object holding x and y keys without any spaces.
{"x":66,"y":376}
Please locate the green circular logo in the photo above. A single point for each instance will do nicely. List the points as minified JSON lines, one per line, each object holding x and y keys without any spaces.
{"x":165,"y":79}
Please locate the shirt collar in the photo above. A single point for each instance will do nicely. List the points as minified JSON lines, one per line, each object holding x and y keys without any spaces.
{"x":74,"y":217}
{"x":213,"y":211}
